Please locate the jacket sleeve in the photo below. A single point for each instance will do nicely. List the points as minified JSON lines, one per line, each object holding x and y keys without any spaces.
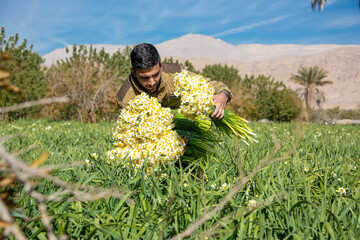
{"x":124,"y":95}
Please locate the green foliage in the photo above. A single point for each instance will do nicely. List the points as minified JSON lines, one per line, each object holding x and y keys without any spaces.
{"x":324,"y":160}
{"x":90,"y":79}
{"x":334,"y":113}
{"x":228,"y":75}
{"x":261,"y":83}
{"x":346,"y":114}
{"x":187,"y":65}
{"x":278,"y":105}
{"x":25,"y":70}
{"x":273,"y":100}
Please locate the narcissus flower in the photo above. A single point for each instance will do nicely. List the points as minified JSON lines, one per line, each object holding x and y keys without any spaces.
{"x":196,"y":94}
{"x":252,"y":203}
{"x":197,"y":100}
{"x":225,"y":185}
{"x":144,"y":135}
{"x":341,"y":190}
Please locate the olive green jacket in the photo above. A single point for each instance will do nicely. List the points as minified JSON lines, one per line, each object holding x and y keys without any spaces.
{"x":165,"y":93}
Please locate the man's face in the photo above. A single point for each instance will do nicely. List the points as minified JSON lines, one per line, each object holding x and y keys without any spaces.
{"x":149,"y":78}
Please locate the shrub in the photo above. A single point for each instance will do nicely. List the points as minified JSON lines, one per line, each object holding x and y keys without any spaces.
{"x":91,"y":80}
{"x":228,"y":75}
{"x":320,"y":115}
{"x":26,"y":73}
{"x":187,"y":65}
{"x":278,"y":105}
{"x":244,"y":103}
{"x":272,"y":100}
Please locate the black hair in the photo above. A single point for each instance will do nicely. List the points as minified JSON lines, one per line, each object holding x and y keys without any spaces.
{"x":144,"y":56}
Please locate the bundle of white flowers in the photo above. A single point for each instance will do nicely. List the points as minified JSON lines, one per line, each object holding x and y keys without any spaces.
{"x":196,"y":94}
{"x":144,"y":135}
{"x":197,"y":100}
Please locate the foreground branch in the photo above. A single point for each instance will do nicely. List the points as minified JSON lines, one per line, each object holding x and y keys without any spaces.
{"x":35,"y":103}
{"x":18,"y":171}
{"x":269,"y":159}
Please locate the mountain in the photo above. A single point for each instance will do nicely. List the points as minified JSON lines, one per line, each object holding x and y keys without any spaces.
{"x":60,"y":54}
{"x":196,"y":45}
{"x":278,"y":61}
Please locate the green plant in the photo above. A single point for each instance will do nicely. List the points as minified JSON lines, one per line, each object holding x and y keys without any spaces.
{"x":26,"y":73}
{"x":187,"y":65}
{"x":277,"y":105}
{"x":297,"y":198}
{"x":228,"y":75}
{"x":90,"y":79}
{"x":271,"y":99}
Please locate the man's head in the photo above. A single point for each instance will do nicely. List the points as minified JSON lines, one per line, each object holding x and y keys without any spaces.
{"x":146,"y":66}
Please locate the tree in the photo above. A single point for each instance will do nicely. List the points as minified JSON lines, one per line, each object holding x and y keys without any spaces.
{"x":228,"y":75}
{"x":271,"y":99}
{"x":187,"y":65}
{"x":310,"y":78}
{"x":278,"y":105}
{"x":90,"y":79}
{"x":26,"y":73}
{"x":318,"y":4}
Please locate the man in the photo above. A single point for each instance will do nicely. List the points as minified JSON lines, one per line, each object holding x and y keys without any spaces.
{"x":150,"y":75}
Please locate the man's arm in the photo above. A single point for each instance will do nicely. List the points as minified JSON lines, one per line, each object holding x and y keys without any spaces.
{"x":222,"y":96}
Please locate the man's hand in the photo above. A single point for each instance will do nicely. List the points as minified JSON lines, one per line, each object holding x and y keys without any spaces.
{"x":220,"y":101}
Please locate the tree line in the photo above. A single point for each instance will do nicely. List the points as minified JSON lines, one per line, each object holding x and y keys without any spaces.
{"x":90,"y":78}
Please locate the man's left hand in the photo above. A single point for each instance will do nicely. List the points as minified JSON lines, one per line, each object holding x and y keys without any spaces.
{"x":220,"y":101}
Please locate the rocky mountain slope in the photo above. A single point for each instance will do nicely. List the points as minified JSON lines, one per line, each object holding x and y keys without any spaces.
{"x":278,"y":61}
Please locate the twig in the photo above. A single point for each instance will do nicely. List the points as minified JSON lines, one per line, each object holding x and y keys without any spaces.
{"x":35,"y":103}
{"x":5,"y":215}
{"x":265,"y":202}
{"x":207,"y":215}
{"x":19,"y":171}
{"x":24,"y":172}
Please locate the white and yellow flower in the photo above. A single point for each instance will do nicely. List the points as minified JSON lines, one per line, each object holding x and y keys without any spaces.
{"x":341,"y":190}
{"x":144,"y":132}
{"x":196,"y":94}
{"x":252,"y":203}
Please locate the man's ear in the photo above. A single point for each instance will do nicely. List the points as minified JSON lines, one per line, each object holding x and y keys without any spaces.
{"x":132,"y":71}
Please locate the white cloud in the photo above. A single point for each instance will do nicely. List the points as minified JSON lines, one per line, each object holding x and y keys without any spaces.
{"x":249,"y":26}
{"x":344,"y":22}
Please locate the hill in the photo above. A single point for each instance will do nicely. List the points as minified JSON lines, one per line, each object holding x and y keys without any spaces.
{"x":278,"y":61}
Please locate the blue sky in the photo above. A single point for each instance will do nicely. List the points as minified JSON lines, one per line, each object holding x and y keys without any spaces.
{"x":50,"y":24}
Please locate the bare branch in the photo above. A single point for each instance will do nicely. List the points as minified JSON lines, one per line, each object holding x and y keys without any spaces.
{"x":18,"y":171}
{"x":35,"y":103}
{"x":241,"y":183}
{"x":5,"y":215}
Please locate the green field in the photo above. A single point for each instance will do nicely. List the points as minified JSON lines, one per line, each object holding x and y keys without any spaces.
{"x":296,"y":198}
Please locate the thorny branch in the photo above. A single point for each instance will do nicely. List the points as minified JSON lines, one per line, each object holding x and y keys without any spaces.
{"x":35,"y":103}
{"x":18,"y":171}
{"x":269,"y":159}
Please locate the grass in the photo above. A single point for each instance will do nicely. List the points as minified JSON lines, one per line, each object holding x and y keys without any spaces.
{"x":297,"y":198}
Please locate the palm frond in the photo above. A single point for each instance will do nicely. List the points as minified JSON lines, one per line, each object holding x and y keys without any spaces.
{"x":318,"y":4}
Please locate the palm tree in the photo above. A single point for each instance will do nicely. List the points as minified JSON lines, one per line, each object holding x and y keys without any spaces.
{"x":310,"y":78}
{"x":318,"y":4}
